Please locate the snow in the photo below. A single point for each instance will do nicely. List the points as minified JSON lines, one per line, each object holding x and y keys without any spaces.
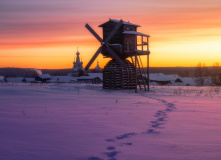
{"x":29,"y":79}
{"x":185,"y":81}
{"x":117,"y":21}
{"x":69,"y":79}
{"x":85,"y":122}
{"x":63,"y":79}
{"x":94,"y":75}
{"x":135,"y":33}
{"x":2,"y":78}
{"x":163,"y":77}
{"x":44,"y":76}
{"x":14,"y":79}
{"x":156,"y":77}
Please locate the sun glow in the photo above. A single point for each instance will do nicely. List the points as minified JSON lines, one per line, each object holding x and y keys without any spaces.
{"x":181,"y":35}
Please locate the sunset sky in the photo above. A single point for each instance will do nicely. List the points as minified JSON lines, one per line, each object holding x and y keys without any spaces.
{"x":46,"y":33}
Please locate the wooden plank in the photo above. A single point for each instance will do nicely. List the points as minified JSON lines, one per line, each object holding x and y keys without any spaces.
{"x":94,"y":33}
{"x":135,"y":73}
{"x":113,"y":31}
{"x":93,"y":58}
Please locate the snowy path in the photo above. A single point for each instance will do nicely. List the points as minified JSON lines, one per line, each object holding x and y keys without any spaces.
{"x":155,"y":125}
{"x":85,"y":122}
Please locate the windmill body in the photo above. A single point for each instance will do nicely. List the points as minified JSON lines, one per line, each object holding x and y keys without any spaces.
{"x":122,"y":42}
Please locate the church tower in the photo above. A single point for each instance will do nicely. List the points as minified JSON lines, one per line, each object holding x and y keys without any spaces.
{"x":97,"y":67}
{"x":78,"y":65}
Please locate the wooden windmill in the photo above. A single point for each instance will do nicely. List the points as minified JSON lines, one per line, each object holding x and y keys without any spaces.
{"x":122,"y":42}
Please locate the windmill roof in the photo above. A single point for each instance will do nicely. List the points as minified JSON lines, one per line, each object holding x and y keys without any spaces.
{"x":114,"y":20}
{"x":136,"y":33}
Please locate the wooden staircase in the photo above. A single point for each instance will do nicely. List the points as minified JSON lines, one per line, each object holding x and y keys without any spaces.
{"x":139,"y":72}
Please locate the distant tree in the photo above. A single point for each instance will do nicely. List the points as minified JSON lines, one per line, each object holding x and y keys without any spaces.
{"x":201,"y":73}
{"x":18,"y":72}
{"x":184,"y":73}
{"x":216,"y":74}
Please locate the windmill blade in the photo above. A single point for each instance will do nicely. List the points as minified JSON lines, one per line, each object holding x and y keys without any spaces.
{"x":94,"y":33}
{"x":93,"y":58}
{"x":114,"y":55}
{"x":113,"y":31}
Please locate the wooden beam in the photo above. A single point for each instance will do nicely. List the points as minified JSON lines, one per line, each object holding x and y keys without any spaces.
{"x":135,"y":73}
{"x":140,"y":52}
{"x":145,"y":43}
{"x":93,"y":58}
{"x":94,"y":33}
{"x":148,"y":66}
{"x":148,"y":74}
{"x":115,"y":56}
{"x":113,"y":31}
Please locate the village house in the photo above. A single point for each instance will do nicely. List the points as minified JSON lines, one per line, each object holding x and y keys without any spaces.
{"x":93,"y":78}
{"x":43,"y":78}
{"x":2,"y":79}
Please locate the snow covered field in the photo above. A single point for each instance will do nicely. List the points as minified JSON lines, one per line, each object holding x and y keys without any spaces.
{"x":85,"y":122}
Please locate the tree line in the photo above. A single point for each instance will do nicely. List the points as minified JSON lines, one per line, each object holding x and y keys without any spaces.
{"x":18,"y":72}
{"x":208,"y":75}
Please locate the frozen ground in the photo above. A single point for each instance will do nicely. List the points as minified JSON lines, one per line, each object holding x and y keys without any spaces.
{"x":85,"y":122}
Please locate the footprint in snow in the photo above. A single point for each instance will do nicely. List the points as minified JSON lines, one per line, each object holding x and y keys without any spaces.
{"x":110,"y":148}
{"x":127,"y":144}
{"x":161,"y":115}
{"x":95,"y":158}
{"x":161,"y":118}
{"x":111,"y":154}
{"x":127,"y":135}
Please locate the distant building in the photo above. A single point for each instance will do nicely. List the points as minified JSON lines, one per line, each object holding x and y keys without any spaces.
{"x":89,"y":79}
{"x":43,"y":77}
{"x":28,"y":80}
{"x":14,"y":79}
{"x":63,"y":79}
{"x":2,"y":79}
{"x":94,"y":78}
{"x":161,"y":78}
{"x":178,"y":80}
{"x":78,"y":66}
{"x":97,"y":69}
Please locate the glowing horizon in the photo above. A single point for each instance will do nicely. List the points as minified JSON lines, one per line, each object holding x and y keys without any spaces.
{"x":46,"y":36}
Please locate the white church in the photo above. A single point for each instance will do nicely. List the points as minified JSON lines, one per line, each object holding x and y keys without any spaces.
{"x":78,"y":69}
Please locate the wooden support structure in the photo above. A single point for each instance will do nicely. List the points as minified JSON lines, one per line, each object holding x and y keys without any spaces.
{"x":148,"y":73}
{"x":135,"y":73}
{"x":141,"y":73}
{"x":148,"y":66}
